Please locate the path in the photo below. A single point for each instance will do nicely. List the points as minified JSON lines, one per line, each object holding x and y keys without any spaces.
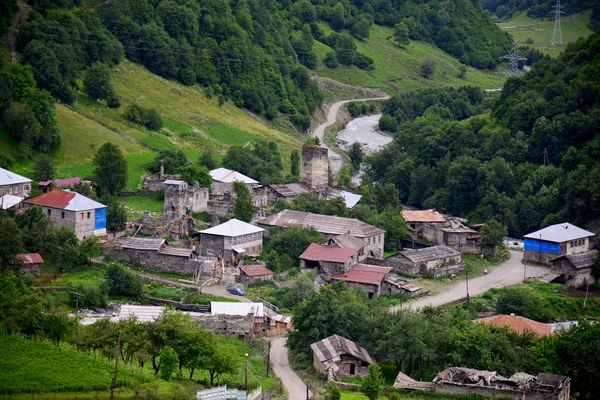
{"x":335,"y":160}
{"x":510,"y":272}
{"x":281,"y":366}
{"x":19,"y":17}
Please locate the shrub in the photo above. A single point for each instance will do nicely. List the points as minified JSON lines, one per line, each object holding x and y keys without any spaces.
{"x":122,"y":282}
{"x":113,"y":102}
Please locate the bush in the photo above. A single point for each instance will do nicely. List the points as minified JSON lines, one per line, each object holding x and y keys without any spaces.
{"x":113,"y":102}
{"x":331,"y":60}
{"x":122,"y":282}
{"x":147,"y":117}
{"x":363,"y":62}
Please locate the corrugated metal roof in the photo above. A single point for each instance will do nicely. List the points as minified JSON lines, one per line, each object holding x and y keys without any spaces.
{"x":580,"y":260}
{"x":333,"y":347}
{"x":319,"y":252}
{"x":560,"y":233}
{"x":518,"y":324}
{"x":255,"y":270}
{"x":429,"y":253}
{"x":361,"y":273}
{"x":328,"y":224}
{"x":176,"y":251}
{"x":10,"y":178}
{"x":349,"y":241}
{"x":412,"y":216}
{"x":8,"y":200}
{"x":229,"y":308}
{"x":233,"y":227}
{"x":30,"y":258}
{"x":289,"y":189}
{"x":143,"y":313}
{"x":351,"y":199}
{"x":227,"y":175}
{"x":174,"y":182}
{"x":65,"y":200}
{"x":141,"y":243}
{"x":61,"y":182}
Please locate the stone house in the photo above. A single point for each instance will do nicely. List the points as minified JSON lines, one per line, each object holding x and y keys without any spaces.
{"x":254,"y":311}
{"x":336,"y":356}
{"x":287,"y":192}
{"x":330,"y":226}
{"x":10,"y":202}
{"x":369,"y":277}
{"x":83,"y":215}
{"x":314,"y":167}
{"x":11,"y":183}
{"x":180,"y":197}
{"x":440,"y":229}
{"x":231,"y":240}
{"x":545,"y":245}
{"x":327,"y":260}
{"x":31,"y":264}
{"x":254,"y":273}
{"x":222,"y":182}
{"x":415,"y":219}
{"x":348,"y":241}
{"x":575,"y":269}
{"x":436,"y":260}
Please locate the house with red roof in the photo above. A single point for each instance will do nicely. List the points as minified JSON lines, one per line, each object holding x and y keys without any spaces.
{"x":254,"y":273}
{"x":83,"y":215}
{"x":517,"y":324}
{"x":70,"y":183}
{"x":369,"y":277}
{"x":328,"y":260}
{"x":31,"y":264}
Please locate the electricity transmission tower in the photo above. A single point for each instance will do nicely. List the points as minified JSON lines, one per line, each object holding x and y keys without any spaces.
{"x":556,"y":33}
{"x":513,"y":61}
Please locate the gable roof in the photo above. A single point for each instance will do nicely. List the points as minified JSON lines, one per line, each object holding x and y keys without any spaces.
{"x":65,"y":200}
{"x":332,"y":348}
{"x":361,"y":273}
{"x":580,"y":260}
{"x":141,"y":243}
{"x":176,"y":251}
{"x":255,"y":270}
{"x":142,"y":313}
{"x":412,"y":216}
{"x":227,"y":175}
{"x":346,"y":241}
{"x":429,"y":253}
{"x":289,"y":189}
{"x":517,"y":324}
{"x":30,"y":258}
{"x":319,"y":252}
{"x":8,"y":200}
{"x":327,"y":224}
{"x":233,"y":227}
{"x":61,"y":182}
{"x":559,"y":233}
{"x":10,"y":178}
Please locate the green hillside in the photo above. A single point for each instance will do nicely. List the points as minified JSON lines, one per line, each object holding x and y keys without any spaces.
{"x":523,"y":27}
{"x":398,"y":68}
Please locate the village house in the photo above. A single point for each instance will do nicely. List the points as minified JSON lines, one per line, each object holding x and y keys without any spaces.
{"x":83,"y":215}
{"x":223,"y":178}
{"x":545,"y":245}
{"x":575,"y":269}
{"x":348,"y":241}
{"x":231,"y":240}
{"x":394,"y":285}
{"x":10,"y":202}
{"x":70,"y":183}
{"x":254,"y":273}
{"x":31,"y":264}
{"x":329,"y":226}
{"x":336,"y":356}
{"x":253,"y":311}
{"x":180,"y":197}
{"x":16,"y":185}
{"x":520,"y":325}
{"x":440,"y":229}
{"x":327,"y":260}
{"x":369,"y":277}
{"x":436,"y":261}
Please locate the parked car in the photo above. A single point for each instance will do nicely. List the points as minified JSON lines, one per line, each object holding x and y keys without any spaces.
{"x":236,"y":290}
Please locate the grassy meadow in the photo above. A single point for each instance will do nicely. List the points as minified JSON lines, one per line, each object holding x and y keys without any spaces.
{"x":522,"y":27}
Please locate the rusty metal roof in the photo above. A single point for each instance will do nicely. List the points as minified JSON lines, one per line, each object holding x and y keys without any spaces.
{"x":54,"y":199}
{"x":361,"y":273}
{"x":255,"y":270}
{"x":332,"y":348}
{"x":30,"y":258}
{"x":520,"y":325}
{"x":412,"y":216}
{"x":319,"y":252}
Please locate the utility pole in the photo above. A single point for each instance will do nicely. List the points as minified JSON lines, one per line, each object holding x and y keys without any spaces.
{"x":587,"y":289}
{"x":246,"y":383}
{"x":77,"y":295}
{"x":114,"y":379}
{"x":268,"y":358}
{"x":524,"y":267}
{"x":556,"y":33}
{"x":467,"y":280}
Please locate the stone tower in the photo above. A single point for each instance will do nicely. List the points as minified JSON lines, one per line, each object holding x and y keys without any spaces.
{"x":314,"y":167}
{"x":175,"y":199}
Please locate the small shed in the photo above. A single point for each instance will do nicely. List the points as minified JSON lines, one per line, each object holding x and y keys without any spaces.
{"x":32,"y":264}
{"x":369,"y":277}
{"x":337,"y":356}
{"x":436,"y":260}
{"x":328,"y":260}
{"x":575,"y":269}
{"x":254,"y":273}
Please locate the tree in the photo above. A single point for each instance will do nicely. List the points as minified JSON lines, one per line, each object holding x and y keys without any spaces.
{"x":89,"y":248}
{"x":110,"y":170}
{"x":356,"y":154}
{"x":116,"y":215}
{"x":194,"y":173}
{"x":242,"y":208}
{"x":22,"y":124}
{"x":207,"y":160}
{"x":493,"y":233}
{"x":295,"y":163}
{"x":11,"y":244}
{"x":361,"y":28}
{"x":96,"y":82}
{"x":122,"y":282}
{"x":172,"y":160}
{"x":43,"y":106}
{"x":333,"y":392}
{"x":338,"y":21}
{"x":462,"y":71}
{"x":372,"y":383}
{"x":293,"y":241}
{"x":331,"y":60}
{"x":36,"y":229}
{"x":168,"y":363}
{"x":401,"y":34}
{"x":44,"y":169}
{"x":66,"y":252}
{"x":21,"y":79}
{"x":428,"y":67}
{"x":221,"y":361}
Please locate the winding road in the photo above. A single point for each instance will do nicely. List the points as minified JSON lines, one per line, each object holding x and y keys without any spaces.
{"x":281,"y":366}
{"x":335,"y":160}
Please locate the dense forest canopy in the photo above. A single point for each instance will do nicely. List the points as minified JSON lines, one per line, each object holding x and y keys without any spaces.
{"x":488,"y":167}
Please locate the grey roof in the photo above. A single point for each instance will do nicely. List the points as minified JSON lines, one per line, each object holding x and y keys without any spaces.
{"x":82,"y":203}
{"x":331,"y":348}
{"x":173,"y":182}
{"x":347,"y":241}
{"x":227,"y":175}
{"x":580,"y":260}
{"x":141,"y":243}
{"x":230,"y":308}
{"x":559,"y":233}
{"x":231,"y":228}
{"x":289,"y":189}
{"x":143,"y":313}
{"x":350,"y":199}
{"x":327,"y":224}
{"x":429,"y":253}
{"x":10,"y":178}
{"x":176,"y":251}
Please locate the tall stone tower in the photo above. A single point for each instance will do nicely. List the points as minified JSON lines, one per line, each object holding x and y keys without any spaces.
{"x":175,"y":199}
{"x":314,"y":167}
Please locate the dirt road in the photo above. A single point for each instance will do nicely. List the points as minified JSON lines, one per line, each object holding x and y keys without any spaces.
{"x":510,"y":272}
{"x":335,"y":160}
{"x":281,"y":366}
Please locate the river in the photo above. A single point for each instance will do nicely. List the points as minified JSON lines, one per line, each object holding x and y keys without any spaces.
{"x":364,"y":130}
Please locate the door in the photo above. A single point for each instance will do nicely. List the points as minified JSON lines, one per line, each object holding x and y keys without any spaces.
{"x":352,"y":369}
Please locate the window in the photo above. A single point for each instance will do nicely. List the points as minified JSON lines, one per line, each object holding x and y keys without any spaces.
{"x":534,"y":256}
{"x":49,"y":212}
{"x":10,"y":190}
{"x":88,"y":215}
{"x":210,"y":252}
{"x":196,"y":196}
{"x":62,"y":215}
{"x":81,"y":215}
{"x":26,"y":187}
{"x":204,"y":194}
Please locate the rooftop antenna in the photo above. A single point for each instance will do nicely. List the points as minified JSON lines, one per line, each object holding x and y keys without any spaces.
{"x":556,"y":33}
{"x":513,"y":61}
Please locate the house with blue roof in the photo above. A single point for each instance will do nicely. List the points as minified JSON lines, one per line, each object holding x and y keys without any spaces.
{"x":549,"y":243}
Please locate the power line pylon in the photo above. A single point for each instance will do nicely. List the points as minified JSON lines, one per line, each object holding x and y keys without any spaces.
{"x":513,"y":61}
{"x":556,"y":33}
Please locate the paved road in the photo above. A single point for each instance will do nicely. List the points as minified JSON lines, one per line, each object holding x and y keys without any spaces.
{"x":510,"y":272}
{"x":218,"y":290}
{"x":335,"y":160}
{"x":281,"y":366}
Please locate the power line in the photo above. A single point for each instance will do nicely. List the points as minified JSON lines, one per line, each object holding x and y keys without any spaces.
{"x":513,"y":61}
{"x":556,"y":33}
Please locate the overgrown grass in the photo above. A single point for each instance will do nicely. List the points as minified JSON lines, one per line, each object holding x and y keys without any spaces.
{"x":137,"y":204}
{"x":522,"y":27}
{"x":161,"y":291}
{"x":206,"y":298}
{"x":29,"y":365}
{"x":227,"y":134}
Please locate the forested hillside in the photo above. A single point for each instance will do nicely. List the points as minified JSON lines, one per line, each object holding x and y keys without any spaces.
{"x":488,"y":167}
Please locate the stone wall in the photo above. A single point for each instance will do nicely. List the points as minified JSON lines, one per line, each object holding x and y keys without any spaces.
{"x":497,"y":393}
{"x":314,"y":167}
{"x":326,"y":269}
{"x":232,"y":325}
{"x":31,"y":270}
{"x":21,"y":189}
{"x":72,"y":219}
{"x":153,"y":260}
{"x":212,"y":246}
{"x":540,"y":258}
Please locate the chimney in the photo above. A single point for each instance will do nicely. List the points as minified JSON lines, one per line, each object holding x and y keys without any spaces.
{"x":162,"y":169}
